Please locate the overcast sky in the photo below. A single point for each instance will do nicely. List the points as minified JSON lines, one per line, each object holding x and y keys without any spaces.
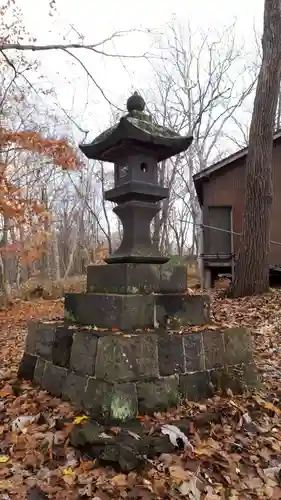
{"x":97,"y":20}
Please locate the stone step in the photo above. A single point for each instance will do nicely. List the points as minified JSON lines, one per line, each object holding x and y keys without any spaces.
{"x":136,"y":278}
{"x":114,"y":377}
{"x":137,"y":311}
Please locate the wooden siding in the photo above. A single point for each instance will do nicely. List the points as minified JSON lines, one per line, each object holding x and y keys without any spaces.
{"x":227,"y":187}
{"x":217,"y":242}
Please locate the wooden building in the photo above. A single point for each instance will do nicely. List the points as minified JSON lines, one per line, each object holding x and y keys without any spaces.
{"x":221,"y":191}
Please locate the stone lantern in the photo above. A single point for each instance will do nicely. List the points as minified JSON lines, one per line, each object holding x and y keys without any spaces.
{"x":136,"y":145}
{"x":134,"y":290}
{"x":124,"y":347}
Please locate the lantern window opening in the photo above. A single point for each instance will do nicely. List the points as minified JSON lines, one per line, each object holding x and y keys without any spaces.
{"x":144,"y":167}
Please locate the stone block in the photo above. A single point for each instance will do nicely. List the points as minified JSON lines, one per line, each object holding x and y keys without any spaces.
{"x":83,"y":353}
{"x":251,"y":377}
{"x":158,"y":395}
{"x":238,"y":346}
{"x":74,"y":388}
{"x":27,"y":366}
{"x":193,"y":352}
{"x":127,"y":358}
{"x":39,"y":371}
{"x":238,"y":378}
{"x":123,"y":279}
{"x":110,"y":311}
{"x":136,"y":279}
{"x":110,"y":402}
{"x":185,"y":309}
{"x":213,"y":348}
{"x":31,"y":337}
{"x":196,"y":386}
{"x":53,"y":379}
{"x":62,"y":346}
{"x":170,"y":354}
{"x":45,"y":337}
{"x":173,"y":279}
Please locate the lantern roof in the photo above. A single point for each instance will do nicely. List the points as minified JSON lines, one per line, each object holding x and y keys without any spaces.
{"x":136,"y":130}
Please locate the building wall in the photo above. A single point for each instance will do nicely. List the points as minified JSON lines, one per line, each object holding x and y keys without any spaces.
{"x":227,"y":187}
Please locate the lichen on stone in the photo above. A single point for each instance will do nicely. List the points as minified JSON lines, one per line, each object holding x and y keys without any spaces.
{"x":121,"y":408}
{"x":104,"y":135}
{"x":69,"y":316}
{"x":148,"y":126}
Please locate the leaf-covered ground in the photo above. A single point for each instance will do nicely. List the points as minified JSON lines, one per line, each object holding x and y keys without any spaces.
{"x":235,"y":450}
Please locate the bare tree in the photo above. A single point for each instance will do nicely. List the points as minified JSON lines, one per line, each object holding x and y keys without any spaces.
{"x":202,"y":87}
{"x":251,"y":271}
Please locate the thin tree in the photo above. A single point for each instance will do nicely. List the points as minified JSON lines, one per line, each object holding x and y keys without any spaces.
{"x":252,"y":271}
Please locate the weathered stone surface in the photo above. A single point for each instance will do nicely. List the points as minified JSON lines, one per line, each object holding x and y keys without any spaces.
{"x":188,"y":310}
{"x":53,"y":379}
{"x":228,"y":378}
{"x":252,"y":377}
{"x":238,"y":378}
{"x":121,"y":451}
{"x":123,"y":278}
{"x":105,"y":402}
{"x":74,"y":388}
{"x":158,"y":395}
{"x":44,"y":339}
{"x":83,"y":353}
{"x":173,"y":279}
{"x":31,"y":337}
{"x":62,"y":346}
{"x":39,"y":370}
{"x":27,"y":366}
{"x":213,"y":348}
{"x":195,"y":386}
{"x":170,"y":354}
{"x":86,"y":433}
{"x":238,"y":346}
{"x":136,"y":278}
{"x":121,"y":358}
{"x":193,"y":352}
{"x":128,"y":454}
{"x":110,"y":311}
{"x":136,"y":311}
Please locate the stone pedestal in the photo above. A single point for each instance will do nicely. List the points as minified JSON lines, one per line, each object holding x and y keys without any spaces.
{"x":115,"y":377}
{"x":132,"y":296}
{"x":133,"y":355}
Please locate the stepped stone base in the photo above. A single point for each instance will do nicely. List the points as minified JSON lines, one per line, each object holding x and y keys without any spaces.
{"x":113,"y":377}
{"x":136,"y":311}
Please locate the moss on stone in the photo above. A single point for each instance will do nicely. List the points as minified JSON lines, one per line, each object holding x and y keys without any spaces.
{"x":69,"y":316}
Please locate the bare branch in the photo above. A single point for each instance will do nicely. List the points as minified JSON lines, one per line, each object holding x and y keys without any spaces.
{"x":68,"y":46}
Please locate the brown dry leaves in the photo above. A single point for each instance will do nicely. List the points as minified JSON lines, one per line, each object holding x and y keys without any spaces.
{"x":236,"y":441}
{"x":57,"y":149}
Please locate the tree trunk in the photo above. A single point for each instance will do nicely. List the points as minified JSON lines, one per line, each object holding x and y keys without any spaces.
{"x":252,"y":272}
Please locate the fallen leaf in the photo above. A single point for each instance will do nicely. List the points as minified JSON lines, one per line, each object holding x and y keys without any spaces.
{"x":6,"y":391}
{"x":80,"y":420}
{"x":189,"y":489}
{"x":119,"y":480}
{"x":176,"y":436}
{"x":21,"y":423}
{"x":68,"y":472}
{"x":178,"y":473}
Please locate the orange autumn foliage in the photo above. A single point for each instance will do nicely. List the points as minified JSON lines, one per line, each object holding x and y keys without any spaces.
{"x":12,"y":204}
{"x":59,"y":150}
{"x":25,"y":212}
